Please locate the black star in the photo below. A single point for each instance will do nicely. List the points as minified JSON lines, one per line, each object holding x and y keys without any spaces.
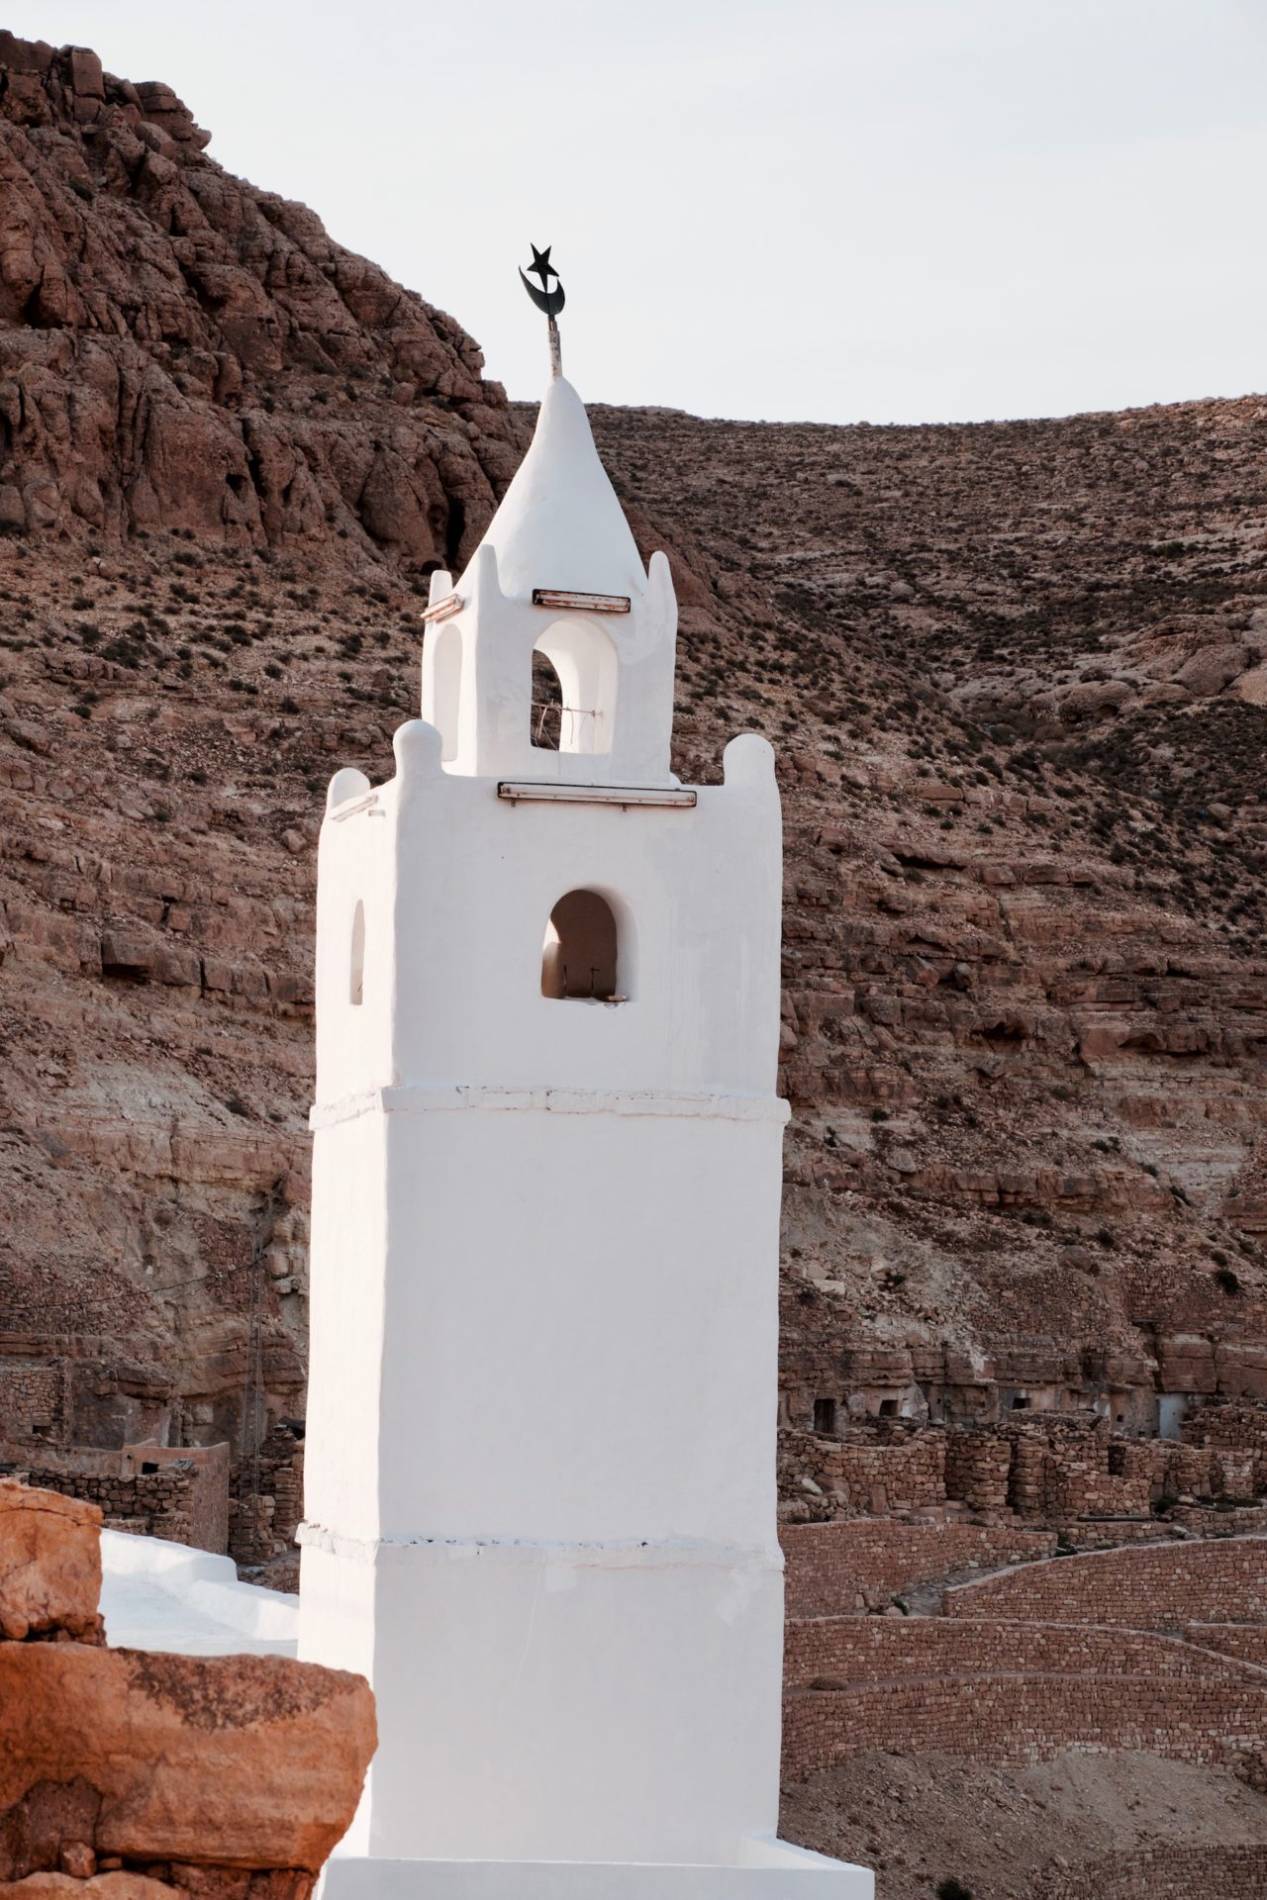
{"x":541,"y":264}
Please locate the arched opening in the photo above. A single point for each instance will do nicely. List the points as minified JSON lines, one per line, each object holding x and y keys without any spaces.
{"x":447,"y":686}
{"x":356,"y":961}
{"x":547,"y":704}
{"x":582,"y":657}
{"x":579,"y":959}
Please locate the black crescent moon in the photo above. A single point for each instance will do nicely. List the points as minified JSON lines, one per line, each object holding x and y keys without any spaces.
{"x":551,"y":301}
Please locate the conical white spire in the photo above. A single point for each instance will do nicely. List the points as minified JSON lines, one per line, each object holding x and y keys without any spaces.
{"x":559,"y":524}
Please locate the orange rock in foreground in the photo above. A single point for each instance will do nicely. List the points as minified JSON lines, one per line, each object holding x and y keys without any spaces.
{"x":113,"y":1886}
{"x":249,"y":1762}
{"x":50,"y":1564}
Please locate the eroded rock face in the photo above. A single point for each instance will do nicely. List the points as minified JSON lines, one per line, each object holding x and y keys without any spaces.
{"x":186,"y":359}
{"x":50,"y":1565}
{"x":1009,"y":669}
{"x":178,"y":349}
{"x":1025,"y":1005}
{"x":251,"y":1762}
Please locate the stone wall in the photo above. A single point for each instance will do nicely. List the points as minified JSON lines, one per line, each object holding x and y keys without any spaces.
{"x":1247,"y":1641}
{"x":1163,"y":1873}
{"x":861,"y":1474}
{"x":940,"y":1383}
{"x":1109,"y":1533}
{"x":978,"y":1465}
{"x":67,"y":1389}
{"x":1010,"y":1694}
{"x":1235,"y":1427}
{"x":1148,"y":1588}
{"x":1113,"y":1649}
{"x":1047,"y":1470}
{"x":30,"y":1400}
{"x":267,"y":1499}
{"x":1079,"y":1476}
{"x":161,"y":1490}
{"x":838,"y":1652}
{"x":158,"y":1504}
{"x":861,"y":1563}
{"x":207,"y":1497}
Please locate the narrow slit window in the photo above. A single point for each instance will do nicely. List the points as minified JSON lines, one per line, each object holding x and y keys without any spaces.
{"x":356,"y":967}
{"x":446,"y":711}
{"x":825,"y":1415}
{"x":579,"y":959}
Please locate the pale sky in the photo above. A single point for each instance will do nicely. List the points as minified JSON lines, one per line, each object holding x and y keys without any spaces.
{"x":834,"y":210}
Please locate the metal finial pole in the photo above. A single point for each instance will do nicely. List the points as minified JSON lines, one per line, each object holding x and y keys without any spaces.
{"x":547,"y":300}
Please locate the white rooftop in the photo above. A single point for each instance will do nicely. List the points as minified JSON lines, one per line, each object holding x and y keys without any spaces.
{"x":157,"y":1595}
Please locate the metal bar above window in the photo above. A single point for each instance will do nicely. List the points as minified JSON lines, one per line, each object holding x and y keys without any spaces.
{"x":522,"y":792}
{"x":444,"y":609}
{"x":368,"y":802}
{"x":587,"y":603}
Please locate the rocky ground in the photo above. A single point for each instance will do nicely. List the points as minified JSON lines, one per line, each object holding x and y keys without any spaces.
{"x":1001,"y":1833}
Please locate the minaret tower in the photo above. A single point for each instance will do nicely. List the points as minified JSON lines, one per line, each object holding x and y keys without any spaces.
{"x":546,"y":1178}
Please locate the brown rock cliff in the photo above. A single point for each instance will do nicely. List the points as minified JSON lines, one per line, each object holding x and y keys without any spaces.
{"x":1012,"y":671}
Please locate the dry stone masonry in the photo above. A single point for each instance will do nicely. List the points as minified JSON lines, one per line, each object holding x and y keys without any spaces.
{"x":950,"y":1640}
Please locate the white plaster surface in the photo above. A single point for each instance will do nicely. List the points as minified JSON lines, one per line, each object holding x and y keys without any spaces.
{"x":159,"y":1595}
{"x":767,"y":1870}
{"x":541,"y":1423}
{"x":559,"y":517}
{"x":560,"y":524}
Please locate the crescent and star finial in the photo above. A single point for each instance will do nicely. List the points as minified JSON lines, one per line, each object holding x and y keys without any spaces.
{"x":547,"y":300}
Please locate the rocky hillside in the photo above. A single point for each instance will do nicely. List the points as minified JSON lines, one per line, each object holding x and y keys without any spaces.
{"x":230,"y":454}
{"x":1017,"y":675}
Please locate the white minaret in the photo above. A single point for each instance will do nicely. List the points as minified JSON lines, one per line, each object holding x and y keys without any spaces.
{"x":546,"y":1177}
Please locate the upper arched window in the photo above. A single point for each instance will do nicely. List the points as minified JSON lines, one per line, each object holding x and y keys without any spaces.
{"x":582,"y":658}
{"x":356,"y":959}
{"x":580,"y":959}
{"x":447,"y":688}
{"x":547,"y":704}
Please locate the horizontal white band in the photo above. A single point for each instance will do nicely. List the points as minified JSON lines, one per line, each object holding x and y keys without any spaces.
{"x":423,"y":1098}
{"x":618,"y":1554}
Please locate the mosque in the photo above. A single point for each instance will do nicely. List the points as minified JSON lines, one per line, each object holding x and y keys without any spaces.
{"x":540,"y":1506}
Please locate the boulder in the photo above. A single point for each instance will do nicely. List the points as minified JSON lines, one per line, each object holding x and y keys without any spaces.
{"x":50,"y":1564}
{"x":226,"y":1761}
{"x":1211,"y":668}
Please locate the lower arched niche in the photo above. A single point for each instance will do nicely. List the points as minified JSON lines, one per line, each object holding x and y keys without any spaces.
{"x":580,"y":959}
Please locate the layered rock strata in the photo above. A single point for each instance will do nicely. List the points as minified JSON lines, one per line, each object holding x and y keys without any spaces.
{"x":1011,"y":673}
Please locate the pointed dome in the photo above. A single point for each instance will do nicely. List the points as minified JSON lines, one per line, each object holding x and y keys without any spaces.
{"x":559,"y":523}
